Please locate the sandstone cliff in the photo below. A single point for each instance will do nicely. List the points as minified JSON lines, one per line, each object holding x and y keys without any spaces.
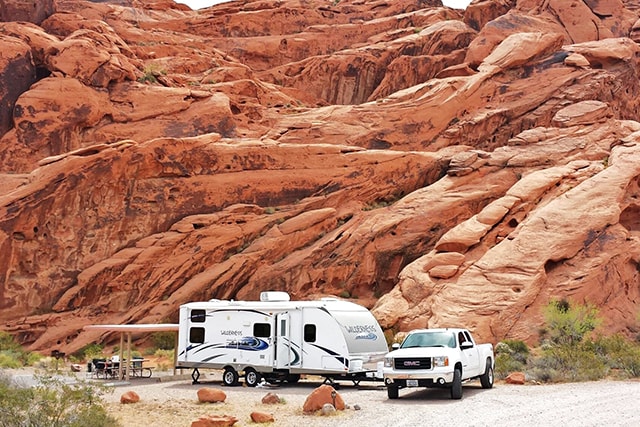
{"x":441,"y":167}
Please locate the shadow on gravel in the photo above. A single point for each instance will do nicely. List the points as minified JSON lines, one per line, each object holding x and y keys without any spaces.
{"x":411,"y":396}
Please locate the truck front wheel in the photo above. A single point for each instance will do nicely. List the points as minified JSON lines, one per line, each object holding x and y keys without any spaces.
{"x":486,"y":379}
{"x":392,"y":392}
{"x":456,"y":386}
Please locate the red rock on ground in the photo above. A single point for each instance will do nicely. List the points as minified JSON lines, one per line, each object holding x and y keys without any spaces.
{"x":320,"y":396}
{"x":215,"y":421}
{"x":261,"y":417}
{"x":515,"y":378}
{"x":129,"y":397}
{"x":211,"y":395}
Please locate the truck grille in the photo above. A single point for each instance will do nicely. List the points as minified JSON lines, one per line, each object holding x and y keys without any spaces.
{"x":412,"y":363}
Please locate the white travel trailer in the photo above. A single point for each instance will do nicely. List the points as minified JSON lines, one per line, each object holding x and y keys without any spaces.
{"x":278,"y":339}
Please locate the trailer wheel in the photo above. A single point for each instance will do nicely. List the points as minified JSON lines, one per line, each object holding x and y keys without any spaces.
{"x":251,"y":377}
{"x":293,"y":378}
{"x":230,"y":377}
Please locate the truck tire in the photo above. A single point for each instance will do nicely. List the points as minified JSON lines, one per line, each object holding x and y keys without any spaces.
{"x":230,"y":377}
{"x":486,"y":379}
{"x":456,"y":386}
{"x":392,"y":392}
{"x":251,"y":377}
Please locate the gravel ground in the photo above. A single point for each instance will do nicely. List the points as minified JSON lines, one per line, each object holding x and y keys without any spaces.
{"x":174,"y":403}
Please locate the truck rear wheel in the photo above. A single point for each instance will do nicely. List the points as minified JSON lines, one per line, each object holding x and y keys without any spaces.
{"x":486,"y":379}
{"x":230,"y":377}
{"x":251,"y":377}
{"x":392,"y":392}
{"x":456,"y":386}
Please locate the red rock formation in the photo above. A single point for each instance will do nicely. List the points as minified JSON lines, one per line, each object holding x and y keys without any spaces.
{"x":444,"y":168}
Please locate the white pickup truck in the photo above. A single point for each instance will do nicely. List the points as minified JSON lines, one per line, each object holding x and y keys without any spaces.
{"x":438,"y":358}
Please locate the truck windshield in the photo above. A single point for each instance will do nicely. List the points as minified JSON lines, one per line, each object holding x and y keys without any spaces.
{"x":430,"y":339}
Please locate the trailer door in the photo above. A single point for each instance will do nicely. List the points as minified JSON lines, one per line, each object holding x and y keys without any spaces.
{"x":283,"y":343}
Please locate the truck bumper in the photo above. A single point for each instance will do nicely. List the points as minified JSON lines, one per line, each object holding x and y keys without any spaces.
{"x":414,"y":379}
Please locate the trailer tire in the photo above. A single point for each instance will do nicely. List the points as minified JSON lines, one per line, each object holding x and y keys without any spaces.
{"x":456,"y":386}
{"x":230,"y":376}
{"x":293,"y":378}
{"x":393,"y":392}
{"x":251,"y":377}
{"x":486,"y":379}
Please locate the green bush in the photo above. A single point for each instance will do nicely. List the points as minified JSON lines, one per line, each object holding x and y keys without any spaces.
{"x":511,"y":356}
{"x":7,"y":342}
{"x":569,"y":362}
{"x":52,"y":403}
{"x":567,"y":324}
{"x":92,"y":351}
{"x":621,"y":354}
{"x":10,"y":359}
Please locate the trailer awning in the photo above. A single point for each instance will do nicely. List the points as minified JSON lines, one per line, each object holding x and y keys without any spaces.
{"x":129,"y":329}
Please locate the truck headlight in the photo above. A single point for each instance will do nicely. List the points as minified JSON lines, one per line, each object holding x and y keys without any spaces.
{"x":388,"y":362}
{"x":440,"y":361}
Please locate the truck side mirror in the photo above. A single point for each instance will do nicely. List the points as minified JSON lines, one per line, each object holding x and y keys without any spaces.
{"x":395,"y":346}
{"x":465,"y":345}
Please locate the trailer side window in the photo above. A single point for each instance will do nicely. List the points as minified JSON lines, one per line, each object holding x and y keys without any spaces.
{"x":198,"y":316}
{"x":310,"y":333}
{"x":262,"y":330}
{"x":196,"y":335}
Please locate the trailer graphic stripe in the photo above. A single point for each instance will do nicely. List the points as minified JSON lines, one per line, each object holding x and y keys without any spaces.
{"x":343,"y":360}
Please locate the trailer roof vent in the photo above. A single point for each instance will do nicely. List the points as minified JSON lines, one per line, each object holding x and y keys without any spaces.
{"x":274,"y":296}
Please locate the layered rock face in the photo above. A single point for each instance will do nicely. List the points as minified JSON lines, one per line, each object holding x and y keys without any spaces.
{"x":441,"y":167}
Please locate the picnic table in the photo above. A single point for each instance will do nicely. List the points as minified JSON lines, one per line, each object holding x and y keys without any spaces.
{"x":110,"y":369}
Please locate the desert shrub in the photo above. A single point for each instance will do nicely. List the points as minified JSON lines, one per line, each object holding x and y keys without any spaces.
{"x":569,"y":362}
{"x":569,"y":325}
{"x":12,"y":355}
{"x":621,"y":354}
{"x":10,"y":359}
{"x":52,"y":403}
{"x":92,"y":351}
{"x":568,"y":354}
{"x":511,"y":356}
{"x":7,"y":342}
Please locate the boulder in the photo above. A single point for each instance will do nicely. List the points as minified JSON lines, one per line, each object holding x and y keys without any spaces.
{"x":515,"y":378}
{"x":321,"y":396}
{"x":214,"y":421}
{"x":271,"y":399}
{"x":129,"y":397}
{"x":211,"y":395}
{"x":261,"y":417}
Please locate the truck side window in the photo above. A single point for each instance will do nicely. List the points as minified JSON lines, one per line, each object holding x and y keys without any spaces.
{"x":461,"y":338}
{"x":309,"y":333}
{"x":262,"y":330}
{"x":198,"y":316}
{"x":196,"y":335}
{"x":466,"y":334}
